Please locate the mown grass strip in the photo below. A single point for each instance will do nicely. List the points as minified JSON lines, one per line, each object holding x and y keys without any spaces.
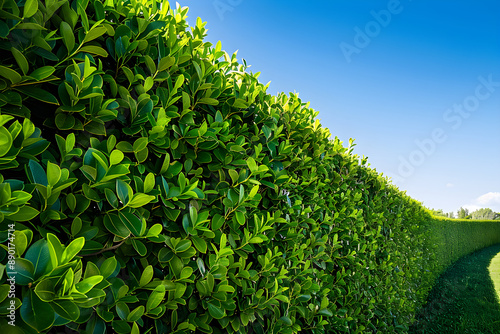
{"x":494,"y":269}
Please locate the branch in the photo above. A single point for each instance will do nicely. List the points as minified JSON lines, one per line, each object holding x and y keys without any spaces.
{"x":106,"y":249}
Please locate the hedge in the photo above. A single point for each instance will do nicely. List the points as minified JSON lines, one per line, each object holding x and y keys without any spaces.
{"x":452,"y":239}
{"x":149,"y":183}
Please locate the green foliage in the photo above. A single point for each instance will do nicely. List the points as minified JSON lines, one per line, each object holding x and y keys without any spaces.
{"x":484,"y":214}
{"x":451,"y":239}
{"x":462,"y":213}
{"x":440,"y":213}
{"x":150,"y":184}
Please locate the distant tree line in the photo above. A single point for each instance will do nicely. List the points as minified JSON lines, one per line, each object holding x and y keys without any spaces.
{"x":463,"y":213}
{"x":440,"y":213}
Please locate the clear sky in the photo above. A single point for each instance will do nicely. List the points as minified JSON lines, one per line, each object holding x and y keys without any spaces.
{"x":415,"y":83}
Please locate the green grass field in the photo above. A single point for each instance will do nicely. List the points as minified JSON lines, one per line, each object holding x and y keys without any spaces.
{"x":465,"y":298}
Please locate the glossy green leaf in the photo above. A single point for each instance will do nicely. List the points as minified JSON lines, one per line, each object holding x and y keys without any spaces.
{"x":20,"y":59}
{"x":240,"y":217}
{"x":4,"y":292}
{"x":55,"y":249}
{"x":225,"y":288}
{"x":136,"y":313}
{"x":71,"y":202}
{"x":209,"y":101}
{"x":39,"y":94}
{"x":72,"y":249}
{"x":148,"y":83}
{"x":20,"y":197}
{"x":45,"y":290}
{"x":135,"y":327}
{"x":5,"y":141}
{"x":193,"y":214}
{"x":286,"y":320}
{"x":146,"y":275}
{"x":66,"y":309}
{"x":108,"y":267}
{"x":186,"y":272}
{"x":139,"y":247}
{"x":91,"y":269}
{"x":149,"y":182}
{"x":94,"y":33}
{"x":10,"y":74}
{"x":179,"y":81}
{"x":87,"y":284}
{"x":38,"y":254}
{"x":67,"y":35}
{"x":65,"y":121}
{"x":95,"y":50}
{"x":155,"y":298}
{"x":139,"y":200}
{"x":252,"y":165}
{"x":200,"y":244}
{"x":115,"y":225}
{"x":121,"y":327}
{"x":182,"y":246}
{"x":123,"y":191}
{"x":122,"y":310}
{"x":36,"y":313}
{"x":116,"y":157}
{"x":165,"y":63}
{"x":176,"y":265}
{"x":325,"y":312}
{"x":155,"y":230}
{"x":53,"y":173}
{"x":23,"y":271}
{"x":26,"y":213}
{"x":21,"y":243}
{"x":30,"y":8}
{"x":30,"y":26}
{"x":93,"y":298}
{"x":132,"y":222}
{"x":42,"y":73}
{"x":216,"y":311}
{"x":304,"y":298}
{"x":111,"y":197}
{"x":38,"y":173}
{"x":140,"y":144}
{"x":217,"y":222}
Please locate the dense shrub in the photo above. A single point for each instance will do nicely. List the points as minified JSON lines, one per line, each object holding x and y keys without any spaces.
{"x":150,"y":184}
{"x":454,"y":238}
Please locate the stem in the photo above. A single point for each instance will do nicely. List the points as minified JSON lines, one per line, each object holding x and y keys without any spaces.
{"x":106,"y":249}
{"x":33,"y":82}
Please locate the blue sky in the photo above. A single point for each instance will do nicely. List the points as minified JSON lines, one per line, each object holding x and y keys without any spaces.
{"x":415,"y":83}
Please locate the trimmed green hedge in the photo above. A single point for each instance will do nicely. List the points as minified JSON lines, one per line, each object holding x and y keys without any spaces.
{"x":453,"y":238}
{"x":150,"y":184}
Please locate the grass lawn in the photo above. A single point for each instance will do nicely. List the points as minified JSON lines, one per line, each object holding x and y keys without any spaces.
{"x":494,"y":270}
{"x":465,"y":298}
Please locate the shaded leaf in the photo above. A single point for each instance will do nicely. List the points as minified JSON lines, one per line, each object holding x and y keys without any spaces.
{"x":39,"y":94}
{"x":20,"y":59}
{"x":38,"y":254}
{"x":10,"y":74}
{"x":67,"y":35}
{"x":132,"y":222}
{"x":36,"y":313}
{"x":216,"y":311}
{"x":66,"y":309}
